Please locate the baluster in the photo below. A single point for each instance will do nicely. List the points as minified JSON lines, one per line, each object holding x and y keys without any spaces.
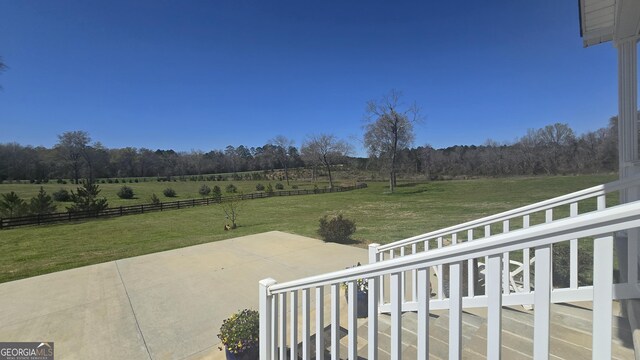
{"x":494,"y":308}
{"x":455,"y":311}
{"x":352,"y":327}
{"x":440,"y":274}
{"x":506,"y":264}
{"x":602,"y":296}
{"x":470,"y":270}
{"x":548,"y":217}
{"x":403,"y":279}
{"x":414,"y":279}
{"x":542,"y":298}
{"x":396,"y":317}
{"x":423,"y":313}
{"x":335,"y":322}
{"x":373,"y":318}
{"x":282,"y":303}
{"x":632,"y":256}
{"x":526,"y":261}
{"x":306,"y":336}
{"x":487,"y":233}
{"x":294,"y":325}
{"x":320,"y":323}
{"x":573,"y":252}
{"x":274,"y":328}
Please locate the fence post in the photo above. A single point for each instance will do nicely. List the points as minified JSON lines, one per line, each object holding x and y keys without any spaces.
{"x":265,"y":318}
{"x":142,"y":208}
{"x":1,"y":223}
{"x":161,"y":206}
{"x":120,"y":210}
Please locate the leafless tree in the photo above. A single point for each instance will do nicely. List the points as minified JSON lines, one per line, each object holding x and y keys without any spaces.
{"x":390,"y":129}
{"x":325,"y":150}
{"x":282,"y":152}
{"x":72,"y":148}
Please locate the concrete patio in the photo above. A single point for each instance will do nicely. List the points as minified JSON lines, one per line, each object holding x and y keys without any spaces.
{"x":166,"y":305}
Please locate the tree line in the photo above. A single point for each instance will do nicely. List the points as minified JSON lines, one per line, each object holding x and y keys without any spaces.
{"x":388,"y":138}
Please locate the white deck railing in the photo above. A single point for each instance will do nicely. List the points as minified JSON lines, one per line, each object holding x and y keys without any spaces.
{"x":516,"y":285}
{"x":276,"y":316}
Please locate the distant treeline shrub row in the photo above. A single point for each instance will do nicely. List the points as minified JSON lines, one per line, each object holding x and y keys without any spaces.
{"x":553,"y":149}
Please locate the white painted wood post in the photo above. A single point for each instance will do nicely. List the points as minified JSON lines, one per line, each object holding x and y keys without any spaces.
{"x":602,"y":297}
{"x":440,"y":274}
{"x":335,"y":321}
{"x":506,"y":266}
{"x":265,"y":300}
{"x":352,"y":318}
{"x":526,"y":260}
{"x":396,"y":317}
{"x":542,"y":298}
{"x":494,"y":308}
{"x":320,"y":323}
{"x":274,"y":327}
{"x":294,"y":325}
{"x":414,"y":278}
{"x":471,"y":270}
{"x":403,"y":279}
{"x":282,"y":304}
{"x":455,"y":311}
{"x":573,"y":249}
{"x":373,"y":318}
{"x":423,"y":313}
{"x":306,"y":324}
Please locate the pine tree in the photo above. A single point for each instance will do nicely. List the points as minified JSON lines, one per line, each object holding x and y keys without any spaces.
{"x":11,"y":205}
{"x":86,"y":199}
{"x":42,"y":203}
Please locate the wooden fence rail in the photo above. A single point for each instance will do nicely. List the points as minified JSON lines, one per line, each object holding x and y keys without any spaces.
{"x":11,"y":222}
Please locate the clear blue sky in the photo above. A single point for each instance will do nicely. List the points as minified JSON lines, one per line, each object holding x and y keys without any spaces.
{"x":206,"y":74}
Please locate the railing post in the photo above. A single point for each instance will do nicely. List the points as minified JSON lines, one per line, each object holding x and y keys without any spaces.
{"x":396,"y":316}
{"x":424,"y":295}
{"x":265,"y":318}
{"x":455,"y":311}
{"x":493,"y":291}
{"x":352,"y":321}
{"x":542,"y":298}
{"x":602,"y":296}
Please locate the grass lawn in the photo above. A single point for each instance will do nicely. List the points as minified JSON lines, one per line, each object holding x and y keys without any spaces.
{"x":380,"y":217}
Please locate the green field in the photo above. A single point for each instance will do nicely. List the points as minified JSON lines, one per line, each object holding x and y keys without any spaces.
{"x":380,"y":217}
{"x":144,"y":190}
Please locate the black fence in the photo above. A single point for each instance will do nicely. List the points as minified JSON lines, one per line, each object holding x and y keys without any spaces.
{"x":143,"y":208}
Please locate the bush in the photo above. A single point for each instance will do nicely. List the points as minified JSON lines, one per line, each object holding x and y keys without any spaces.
{"x":279,"y":186}
{"x":204,"y":190}
{"x":154,"y":199}
{"x":125,"y":192}
{"x":561,"y":267}
{"x":231,"y":189}
{"x":216,"y":192}
{"x":295,"y":187}
{"x":336,"y":229}
{"x":259,"y":187}
{"x":62,"y":195}
{"x":269,"y":189}
{"x":169,"y":192}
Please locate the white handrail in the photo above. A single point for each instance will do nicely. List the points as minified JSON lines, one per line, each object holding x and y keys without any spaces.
{"x":618,"y":218}
{"x":521,"y":211}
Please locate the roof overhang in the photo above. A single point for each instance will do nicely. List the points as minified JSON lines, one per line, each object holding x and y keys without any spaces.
{"x":606,"y":20}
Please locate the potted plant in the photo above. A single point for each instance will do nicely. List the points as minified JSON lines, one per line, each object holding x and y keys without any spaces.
{"x":362,"y":295}
{"x":239,"y":335}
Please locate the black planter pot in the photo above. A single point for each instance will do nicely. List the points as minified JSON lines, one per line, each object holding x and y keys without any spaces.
{"x":363,"y":303}
{"x":251,"y":354}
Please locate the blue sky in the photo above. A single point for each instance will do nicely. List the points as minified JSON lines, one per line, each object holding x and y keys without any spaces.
{"x":206,"y":74}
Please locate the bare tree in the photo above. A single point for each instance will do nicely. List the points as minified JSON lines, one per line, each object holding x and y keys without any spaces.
{"x":282,"y":152}
{"x":72,"y":147}
{"x":325,"y":150}
{"x":232,"y":206}
{"x":390,"y":129}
